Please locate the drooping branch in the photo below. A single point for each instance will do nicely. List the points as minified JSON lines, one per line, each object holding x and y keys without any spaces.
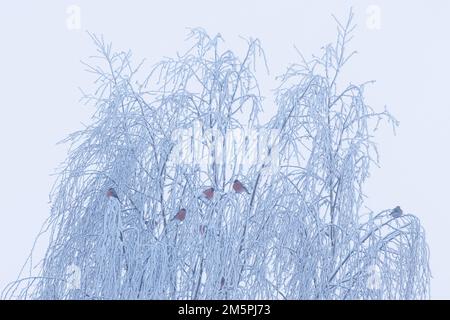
{"x":162,"y":140}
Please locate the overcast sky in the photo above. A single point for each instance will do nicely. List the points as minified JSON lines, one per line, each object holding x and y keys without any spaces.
{"x":402,"y":45}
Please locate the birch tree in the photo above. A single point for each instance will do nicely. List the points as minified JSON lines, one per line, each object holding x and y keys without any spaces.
{"x":161,"y":140}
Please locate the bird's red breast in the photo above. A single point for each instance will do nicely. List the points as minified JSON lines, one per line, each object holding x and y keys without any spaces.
{"x":238,"y":187}
{"x":209,"y":193}
{"x":112,"y":193}
{"x":181,"y":215}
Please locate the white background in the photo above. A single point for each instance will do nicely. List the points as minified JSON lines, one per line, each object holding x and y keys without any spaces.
{"x":40,"y":74}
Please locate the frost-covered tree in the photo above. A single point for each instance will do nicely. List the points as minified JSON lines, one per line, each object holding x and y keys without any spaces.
{"x":134,"y":216}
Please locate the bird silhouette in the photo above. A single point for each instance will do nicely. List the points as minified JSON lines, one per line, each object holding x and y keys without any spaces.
{"x":207,"y":194}
{"x":238,"y":187}
{"x":396,"y":212}
{"x":112,"y":193}
{"x":181,"y":215}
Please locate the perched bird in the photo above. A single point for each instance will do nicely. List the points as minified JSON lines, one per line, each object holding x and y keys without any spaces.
{"x":238,"y":187}
{"x":222,"y":283}
{"x":396,"y":212}
{"x":181,"y":215}
{"x":112,"y":193}
{"x":208,"y":193}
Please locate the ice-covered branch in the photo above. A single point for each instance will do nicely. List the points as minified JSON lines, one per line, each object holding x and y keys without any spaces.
{"x":177,"y":191}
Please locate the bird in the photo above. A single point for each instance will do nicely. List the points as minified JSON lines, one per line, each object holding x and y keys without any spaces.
{"x":238,"y":187}
{"x":112,"y":193}
{"x":208,"y":193}
{"x":181,"y":215}
{"x":222,"y":283}
{"x":396,"y":212}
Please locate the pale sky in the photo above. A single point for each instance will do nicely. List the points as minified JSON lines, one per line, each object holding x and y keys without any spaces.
{"x":407,"y":56}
